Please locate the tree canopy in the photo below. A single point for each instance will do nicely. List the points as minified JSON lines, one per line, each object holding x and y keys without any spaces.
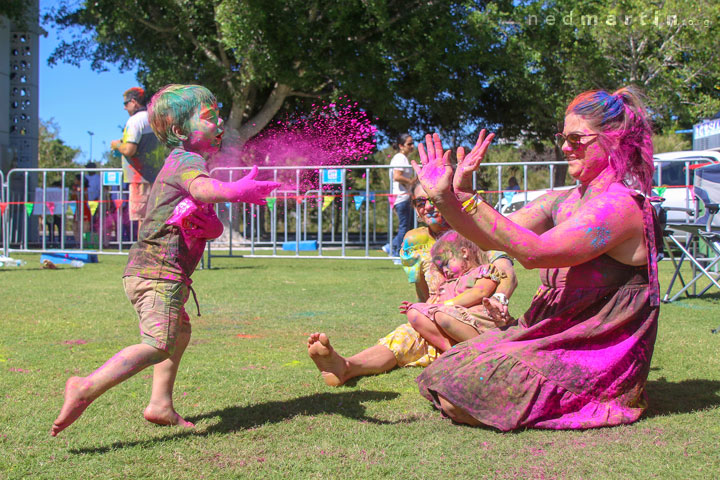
{"x":410,"y":64}
{"x":454,"y":66}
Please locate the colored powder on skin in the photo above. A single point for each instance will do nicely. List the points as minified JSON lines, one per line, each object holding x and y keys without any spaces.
{"x":330,"y":134}
{"x":599,"y":236}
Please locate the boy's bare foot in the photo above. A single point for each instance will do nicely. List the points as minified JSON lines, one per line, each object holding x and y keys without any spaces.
{"x":165,"y":416}
{"x":76,"y":401}
{"x":332,"y":366}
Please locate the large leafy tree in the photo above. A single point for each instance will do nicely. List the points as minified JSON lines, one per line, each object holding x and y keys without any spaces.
{"x":555,"y":49}
{"x":669,"y":48}
{"x":410,"y":64}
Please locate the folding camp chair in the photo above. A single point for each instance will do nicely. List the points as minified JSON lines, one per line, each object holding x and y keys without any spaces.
{"x":698,"y":241}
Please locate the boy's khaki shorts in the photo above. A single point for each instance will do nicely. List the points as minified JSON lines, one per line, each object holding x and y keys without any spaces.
{"x":139,"y":195}
{"x":160,"y":305}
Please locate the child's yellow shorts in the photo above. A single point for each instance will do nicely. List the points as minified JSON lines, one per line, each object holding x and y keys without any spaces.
{"x":160,"y":305}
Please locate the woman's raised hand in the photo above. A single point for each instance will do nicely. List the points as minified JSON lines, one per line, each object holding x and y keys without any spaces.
{"x":467,"y":164}
{"x":434,"y":171}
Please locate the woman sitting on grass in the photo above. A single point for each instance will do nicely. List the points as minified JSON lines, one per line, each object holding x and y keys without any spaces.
{"x":580,"y":355}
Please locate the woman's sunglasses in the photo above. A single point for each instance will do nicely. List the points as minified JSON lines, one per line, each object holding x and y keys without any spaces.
{"x":574,"y":139}
{"x":421,"y":201}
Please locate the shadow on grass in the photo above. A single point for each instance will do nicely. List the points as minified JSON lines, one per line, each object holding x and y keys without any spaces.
{"x":235,"y":267}
{"x":348,"y":404}
{"x":685,"y":301}
{"x":681,"y":397}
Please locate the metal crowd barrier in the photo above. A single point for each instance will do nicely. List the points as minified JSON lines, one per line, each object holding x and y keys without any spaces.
{"x":298,"y":213}
{"x":354,"y":223}
{"x":3,"y":208}
{"x":34,"y":207}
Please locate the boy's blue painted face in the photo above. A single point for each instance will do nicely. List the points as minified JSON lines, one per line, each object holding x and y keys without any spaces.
{"x":205,"y":130}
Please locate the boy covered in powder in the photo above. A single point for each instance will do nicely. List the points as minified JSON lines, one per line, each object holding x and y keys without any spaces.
{"x":157,"y":277}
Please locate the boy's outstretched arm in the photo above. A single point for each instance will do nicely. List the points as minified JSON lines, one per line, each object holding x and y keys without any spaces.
{"x":247,"y":189}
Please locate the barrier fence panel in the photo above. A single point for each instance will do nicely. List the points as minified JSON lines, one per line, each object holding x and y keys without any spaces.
{"x":66,"y":210}
{"x":3,"y":222}
{"x":321,"y":215}
{"x":320,"y":212}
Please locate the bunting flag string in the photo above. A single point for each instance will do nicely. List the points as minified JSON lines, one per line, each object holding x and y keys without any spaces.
{"x":391,"y":199}
{"x":270,"y":202}
{"x":359,"y":199}
{"x":29,"y":208}
{"x":93,"y":204}
{"x":118,"y":202}
{"x":51,"y":207}
{"x":3,"y":206}
{"x":508,"y":196}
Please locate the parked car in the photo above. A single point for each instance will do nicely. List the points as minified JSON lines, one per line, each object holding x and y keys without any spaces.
{"x":673,"y":179}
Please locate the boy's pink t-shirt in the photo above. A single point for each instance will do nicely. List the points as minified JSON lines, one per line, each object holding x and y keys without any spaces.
{"x":162,"y":252}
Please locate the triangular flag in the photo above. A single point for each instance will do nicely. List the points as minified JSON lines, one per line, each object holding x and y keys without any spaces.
{"x":3,"y":206}
{"x":118,"y":202}
{"x":270,"y":202}
{"x":359,"y":199}
{"x":508,"y":196}
{"x":228,"y":205}
{"x":372,"y":197}
{"x":73,"y":208}
{"x":659,"y":191}
{"x":391,"y":199}
{"x":327,"y":200}
{"x":29,"y":208}
{"x":51,"y":207}
{"x":93,"y":204}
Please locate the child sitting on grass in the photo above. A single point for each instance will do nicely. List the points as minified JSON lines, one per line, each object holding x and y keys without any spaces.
{"x":157,"y":277}
{"x":457,"y":309}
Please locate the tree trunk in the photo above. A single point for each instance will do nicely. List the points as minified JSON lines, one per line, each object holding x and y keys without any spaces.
{"x":254,"y":125}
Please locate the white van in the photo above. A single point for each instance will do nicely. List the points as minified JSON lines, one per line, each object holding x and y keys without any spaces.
{"x":674,"y":172}
{"x":674,"y":175}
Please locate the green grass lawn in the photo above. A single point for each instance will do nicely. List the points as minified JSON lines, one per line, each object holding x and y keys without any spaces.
{"x":262,"y":410}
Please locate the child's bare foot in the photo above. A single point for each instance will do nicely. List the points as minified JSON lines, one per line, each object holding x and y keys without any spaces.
{"x":332,"y":366}
{"x":165,"y":416}
{"x":76,"y":401}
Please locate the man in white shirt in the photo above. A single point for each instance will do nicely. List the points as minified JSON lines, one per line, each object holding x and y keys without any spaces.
{"x":137,"y":142}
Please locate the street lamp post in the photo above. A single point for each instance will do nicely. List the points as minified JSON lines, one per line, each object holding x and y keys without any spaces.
{"x":91,"y":135}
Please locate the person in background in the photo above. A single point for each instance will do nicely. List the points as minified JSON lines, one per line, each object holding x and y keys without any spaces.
{"x":401,"y":178}
{"x":137,"y":142}
{"x":93,"y":181}
{"x":513,"y":184}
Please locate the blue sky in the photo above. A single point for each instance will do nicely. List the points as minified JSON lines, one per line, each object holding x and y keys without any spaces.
{"x":79,"y":99}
